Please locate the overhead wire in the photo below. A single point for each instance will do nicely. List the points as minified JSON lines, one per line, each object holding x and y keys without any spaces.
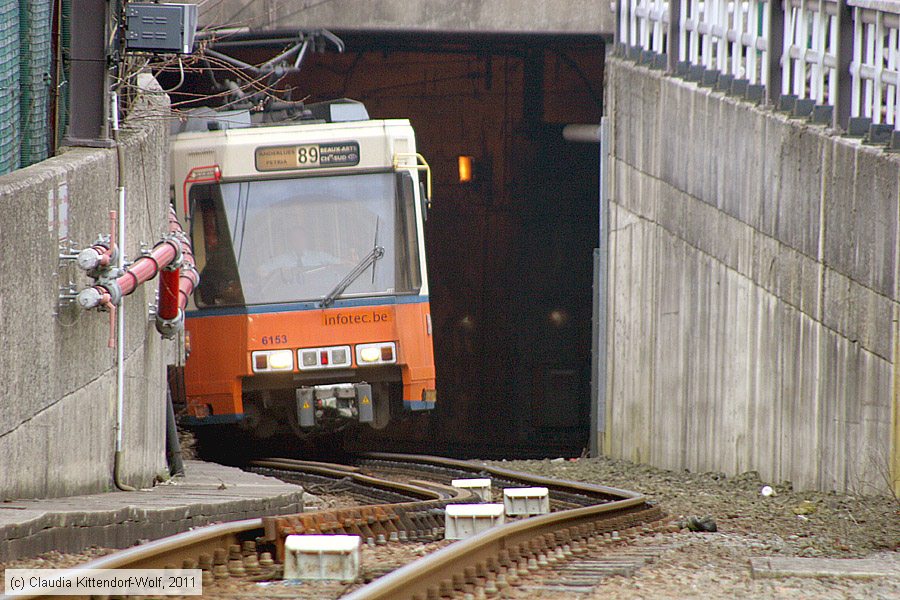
{"x":240,"y":11}
{"x":305,"y":7}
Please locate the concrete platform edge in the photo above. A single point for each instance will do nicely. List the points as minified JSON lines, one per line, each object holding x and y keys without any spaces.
{"x":208,"y":494}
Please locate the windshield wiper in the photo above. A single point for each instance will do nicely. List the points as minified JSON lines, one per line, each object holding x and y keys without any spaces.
{"x":376,"y":253}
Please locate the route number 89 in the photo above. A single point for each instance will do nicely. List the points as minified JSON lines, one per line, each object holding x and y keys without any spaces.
{"x":307,"y":155}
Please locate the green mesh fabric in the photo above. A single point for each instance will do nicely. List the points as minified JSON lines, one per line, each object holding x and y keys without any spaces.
{"x":35,"y":43}
{"x":9,"y":85}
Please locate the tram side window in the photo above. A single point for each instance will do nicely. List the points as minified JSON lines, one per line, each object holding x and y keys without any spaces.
{"x":220,"y":284}
{"x":409,"y":272}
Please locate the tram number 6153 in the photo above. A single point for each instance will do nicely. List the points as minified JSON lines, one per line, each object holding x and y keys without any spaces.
{"x":268,"y":340}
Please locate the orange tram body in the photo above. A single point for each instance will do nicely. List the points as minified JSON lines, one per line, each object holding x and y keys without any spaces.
{"x":312,"y":310}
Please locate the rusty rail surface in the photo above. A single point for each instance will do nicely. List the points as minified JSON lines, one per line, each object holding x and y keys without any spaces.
{"x":600,"y":492}
{"x":416,"y":519}
{"x":498,"y":549}
{"x":420,"y":519}
{"x":482,"y":558}
{"x":166,"y":551}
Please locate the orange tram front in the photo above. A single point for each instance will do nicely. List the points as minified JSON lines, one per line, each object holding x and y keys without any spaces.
{"x":312,"y":310}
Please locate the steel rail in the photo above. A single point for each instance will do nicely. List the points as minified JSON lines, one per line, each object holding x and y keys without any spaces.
{"x":166,"y":551}
{"x":571,"y":495}
{"x":420,"y":516}
{"x":299,"y":463}
{"x":427,"y":577}
{"x":562,"y":485}
{"x":174,"y":550}
{"x":423,"y":578}
{"x":343,"y":472}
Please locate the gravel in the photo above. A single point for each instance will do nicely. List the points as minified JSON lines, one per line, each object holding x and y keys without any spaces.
{"x":690,"y":564}
{"x":749,"y":524}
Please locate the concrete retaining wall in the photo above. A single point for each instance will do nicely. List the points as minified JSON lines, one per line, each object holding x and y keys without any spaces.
{"x":753,"y":289}
{"x":545,"y":16}
{"x":58,"y":383}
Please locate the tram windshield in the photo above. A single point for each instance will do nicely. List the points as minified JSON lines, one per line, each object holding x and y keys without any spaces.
{"x":286,"y":240}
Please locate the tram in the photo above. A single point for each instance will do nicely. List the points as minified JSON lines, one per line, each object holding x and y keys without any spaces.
{"x":312,"y":311}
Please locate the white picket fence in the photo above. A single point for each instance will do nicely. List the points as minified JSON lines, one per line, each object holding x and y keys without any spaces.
{"x":830,"y":53}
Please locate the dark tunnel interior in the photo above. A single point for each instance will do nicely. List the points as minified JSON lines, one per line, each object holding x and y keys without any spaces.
{"x":510,"y":253}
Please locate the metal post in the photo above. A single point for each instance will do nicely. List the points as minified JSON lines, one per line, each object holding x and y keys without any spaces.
{"x":593,"y":134}
{"x":617,"y":36}
{"x":774,"y":51}
{"x":673,"y":37}
{"x":88,"y":81}
{"x":601,"y":261}
{"x":844,"y":93}
{"x":595,"y":359}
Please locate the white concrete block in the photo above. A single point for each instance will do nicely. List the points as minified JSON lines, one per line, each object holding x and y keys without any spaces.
{"x":322,"y":557}
{"x":526,"y":501}
{"x":479,"y":487}
{"x":462,"y":521}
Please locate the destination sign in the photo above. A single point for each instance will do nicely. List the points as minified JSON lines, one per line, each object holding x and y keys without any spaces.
{"x":307,"y":156}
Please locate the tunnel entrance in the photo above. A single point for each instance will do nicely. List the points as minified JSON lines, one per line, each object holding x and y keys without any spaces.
{"x":510,"y":252}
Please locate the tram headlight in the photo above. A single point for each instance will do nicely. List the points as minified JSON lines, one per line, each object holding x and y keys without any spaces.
{"x":370,"y":354}
{"x":273,"y":360}
{"x":281,"y":360}
{"x":376,"y":354}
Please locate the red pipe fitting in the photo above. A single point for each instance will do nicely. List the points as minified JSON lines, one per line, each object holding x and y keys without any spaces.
{"x":169,"y":281}
{"x":189,"y":278}
{"x":176,"y":282}
{"x":146,"y":267}
{"x":174,"y":257}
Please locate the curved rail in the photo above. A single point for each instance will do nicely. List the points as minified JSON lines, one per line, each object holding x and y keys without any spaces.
{"x":166,"y":551}
{"x":176,"y":549}
{"x":423,"y":578}
{"x":415,"y":513}
{"x":347,"y":472}
{"x":489,"y":554}
{"x":563,"y":485}
{"x":497,"y":548}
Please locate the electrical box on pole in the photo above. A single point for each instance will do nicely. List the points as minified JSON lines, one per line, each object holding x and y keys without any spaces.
{"x":161,"y":28}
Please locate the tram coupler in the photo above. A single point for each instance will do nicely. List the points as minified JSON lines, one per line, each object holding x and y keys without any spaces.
{"x":341,"y":400}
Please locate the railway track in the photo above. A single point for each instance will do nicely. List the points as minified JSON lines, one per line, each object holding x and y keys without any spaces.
{"x":402,"y":501}
{"x":501,"y":557}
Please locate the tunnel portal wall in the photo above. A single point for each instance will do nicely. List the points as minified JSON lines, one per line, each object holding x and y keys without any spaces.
{"x":58,"y":383}
{"x":499,"y":16}
{"x":753,"y":289}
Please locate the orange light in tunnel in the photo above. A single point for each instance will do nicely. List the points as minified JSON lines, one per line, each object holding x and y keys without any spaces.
{"x":465,"y":168}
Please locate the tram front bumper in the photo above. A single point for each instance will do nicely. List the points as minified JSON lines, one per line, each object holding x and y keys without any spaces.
{"x":352,"y":401}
